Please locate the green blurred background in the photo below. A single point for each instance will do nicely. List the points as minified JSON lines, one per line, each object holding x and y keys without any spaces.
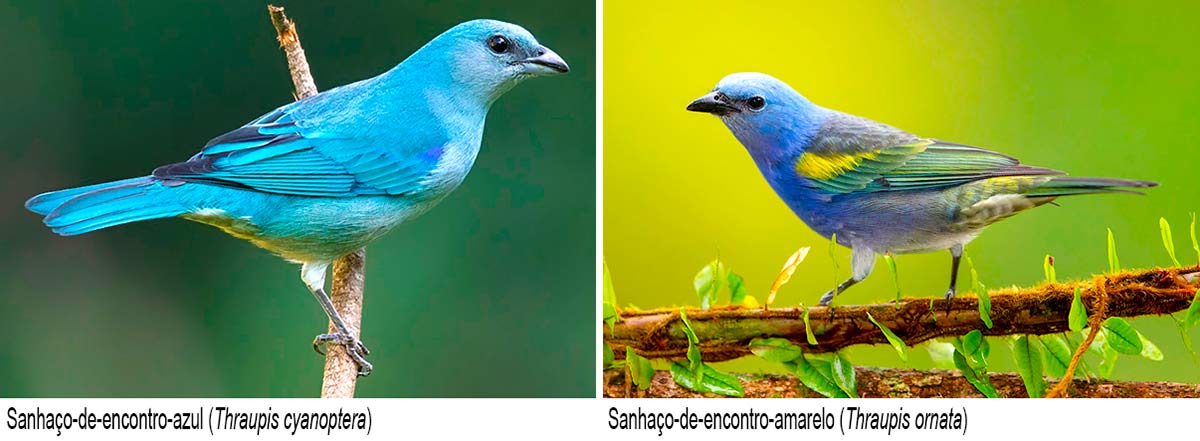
{"x":489,"y":294}
{"x":1093,"y":88}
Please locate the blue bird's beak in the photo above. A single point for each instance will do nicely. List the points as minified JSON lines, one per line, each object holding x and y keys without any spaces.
{"x":546,"y":62}
{"x":714,"y":102}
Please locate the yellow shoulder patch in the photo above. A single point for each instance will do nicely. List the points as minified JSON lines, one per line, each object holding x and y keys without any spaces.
{"x":830,"y":165}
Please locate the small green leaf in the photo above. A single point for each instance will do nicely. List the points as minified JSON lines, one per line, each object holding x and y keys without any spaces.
{"x":722,"y":383}
{"x":1107,"y":363}
{"x":823,"y":363}
{"x":707,"y":380}
{"x":891,"y":263}
{"x":974,"y":348}
{"x":808,"y":332}
{"x":609,"y":357}
{"x":1183,"y":334}
{"x":985,"y":299}
{"x":1195,"y":244}
{"x":778,"y":350}
{"x":976,"y":284}
{"x":1192,"y":318}
{"x":941,"y":353}
{"x":1083,"y":369}
{"x":1048,"y":268}
{"x":976,"y":377}
{"x":972,"y":342}
{"x":1114,"y":263}
{"x":693,"y":352}
{"x":1108,"y":357}
{"x":896,"y":342}
{"x":640,"y":369}
{"x":1122,"y":337}
{"x":843,"y":375}
{"x":1077,"y":318}
{"x":1058,"y":354}
{"x":737,"y":288}
{"x":985,"y":309}
{"x":1028,"y":358}
{"x":1149,"y":349}
{"x":708,"y":283}
{"x":750,"y":302}
{"x":1164,"y":227}
{"x":814,"y":379}
{"x":687,"y":327}
{"x":610,"y":300}
{"x":1101,"y":348}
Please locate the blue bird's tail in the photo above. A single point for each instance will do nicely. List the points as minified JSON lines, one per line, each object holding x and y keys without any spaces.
{"x":80,"y":210}
{"x":1067,"y":186}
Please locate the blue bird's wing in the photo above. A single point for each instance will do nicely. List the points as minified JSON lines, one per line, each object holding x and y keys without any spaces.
{"x":924,"y":164}
{"x":284,"y":153}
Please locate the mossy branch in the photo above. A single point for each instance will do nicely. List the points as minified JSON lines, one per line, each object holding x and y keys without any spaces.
{"x":725,"y":332}
{"x":349,"y":272}
{"x":902,"y":383}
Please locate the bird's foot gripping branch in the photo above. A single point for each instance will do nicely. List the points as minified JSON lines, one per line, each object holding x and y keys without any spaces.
{"x":1054,"y":330}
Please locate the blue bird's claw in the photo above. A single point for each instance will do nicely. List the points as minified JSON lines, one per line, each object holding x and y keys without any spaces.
{"x":354,"y":348}
{"x":827,"y":298}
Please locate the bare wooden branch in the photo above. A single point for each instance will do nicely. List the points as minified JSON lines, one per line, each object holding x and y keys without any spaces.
{"x":902,"y":383}
{"x":349,"y":277}
{"x":289,"y":40}
{"x":349,"y":272}
{"x":725,"y":332}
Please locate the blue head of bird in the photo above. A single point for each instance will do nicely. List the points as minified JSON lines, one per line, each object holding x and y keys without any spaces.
{"x":485,"y":58}
{"x":767,"y":116}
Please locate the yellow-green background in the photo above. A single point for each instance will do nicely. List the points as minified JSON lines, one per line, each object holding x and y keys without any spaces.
{"x":1101,"y":89}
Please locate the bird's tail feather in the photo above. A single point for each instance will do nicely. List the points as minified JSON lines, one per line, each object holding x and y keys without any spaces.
{"x":85,"y":209}
{"x":1067,"y":186}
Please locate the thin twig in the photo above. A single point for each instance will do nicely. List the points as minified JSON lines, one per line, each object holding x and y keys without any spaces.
{"x":1096,"y":321}
{"x":902,"y":383}
{"x":349,"y":272}
{"x":725,"y":332}
{"x":289,"y":40}
{"x":349,"y":275}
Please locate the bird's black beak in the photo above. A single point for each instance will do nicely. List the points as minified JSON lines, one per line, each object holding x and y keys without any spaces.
{"x":545,"y":62}
{"x":715,"y":103}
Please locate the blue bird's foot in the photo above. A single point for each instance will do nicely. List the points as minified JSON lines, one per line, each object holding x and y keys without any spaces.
{"x":354,"y":348}
{"x":827,"y":298}
{"x":841,"y":288}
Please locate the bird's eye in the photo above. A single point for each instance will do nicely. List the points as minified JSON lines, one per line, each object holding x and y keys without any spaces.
{"x":498,"y":44}
{"x":756,"y":103}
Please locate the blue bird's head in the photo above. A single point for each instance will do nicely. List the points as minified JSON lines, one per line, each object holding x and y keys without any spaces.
{"x":487,"y":57}
{"x":766,"y":115}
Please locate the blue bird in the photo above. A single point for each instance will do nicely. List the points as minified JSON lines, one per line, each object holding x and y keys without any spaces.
{"x":880,"y":189}
{"x":321,"y":177}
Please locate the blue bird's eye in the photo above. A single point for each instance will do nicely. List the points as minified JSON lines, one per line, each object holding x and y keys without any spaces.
{"x":756,"y":103}
{"x":498,"y":44}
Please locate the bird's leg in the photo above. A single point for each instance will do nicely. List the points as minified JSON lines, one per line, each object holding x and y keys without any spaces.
{"x":862,"y":261}
{"x":828,"y":297}
{"x":313,"y":274}
{"x":956,"y":253}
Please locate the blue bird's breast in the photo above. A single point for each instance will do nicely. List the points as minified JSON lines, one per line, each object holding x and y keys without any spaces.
{"x":303,"y":228}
